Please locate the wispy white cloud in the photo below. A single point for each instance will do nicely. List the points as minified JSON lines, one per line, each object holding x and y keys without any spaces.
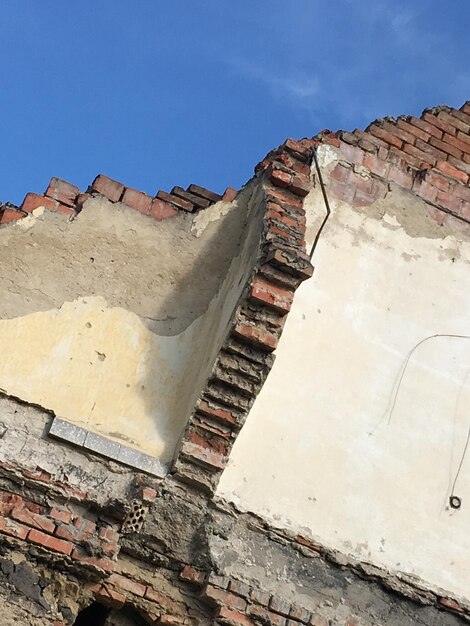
{"x":297,"y":88}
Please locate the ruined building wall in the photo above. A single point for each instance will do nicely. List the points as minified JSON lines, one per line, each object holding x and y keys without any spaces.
{"x":366,"y":409}
{"x":236,"y":489}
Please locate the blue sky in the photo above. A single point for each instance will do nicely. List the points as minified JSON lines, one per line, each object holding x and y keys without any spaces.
{"x":157,"y":93}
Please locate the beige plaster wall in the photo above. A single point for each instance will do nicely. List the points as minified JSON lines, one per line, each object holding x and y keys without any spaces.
{"x":336,"y":447}
{"x":113,"y":321}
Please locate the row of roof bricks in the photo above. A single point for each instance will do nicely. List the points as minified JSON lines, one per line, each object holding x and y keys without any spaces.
{"x":429,"y":155}
{"x":66,"y":198}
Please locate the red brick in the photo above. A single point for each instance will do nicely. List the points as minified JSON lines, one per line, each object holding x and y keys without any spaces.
{"x":110,"y":597}
{"x":451,"y":604}
{"x":279,"y":196}
{"x":385,"y":135}
{"x":420,"y":155}
{"x":219,"y":596}
{"x":275,"y":297}
{"x":174,"y":200}
{"x":425,"y":190}
{"x":400,"y":177}
{"x":461,"y":192}
{"x":342,"y":173}
{"x":33,"y":201}
{"x":341,"y":192}
{"x":62,"y":191}
{"x":137,"y":200}
{"x":465,"y":108}
{"x":372,"y":144}
{"x":449,"y":201}
{"x":454,"y":121}
{"x":9,"y":527}
{"x":200,"y":203}
{"x":452,"y":171}
{"x":160,"y":210}
{"x":71,"y":533}
{"x":459,"y":114}
{"x":456,"y":143}
{"x":430,"y":149}
{"x":126,"y":584}
{"x":281,"y":216}
{"x":229,"y":194}
{"x":261,"y":597}
{"x":61,"y":516}
{"x":464,"y":211}
{"x":206,"y":438}
{"x":220,"y":414}
{"x":10,"y":215}
{"x":164,"y":601}
{"x":303,"y":541}
{"x":296,"y":147}
{"x":300,"y":614}
{"x":430,"y":129}
{"x":192,"y":575}
{"x":277,"y":620}
{"x":256,"y":335}
{"x":108,"y":187}
{"x":300,"y":185}
{"x":234,"y":617}
{"x":104,"y":564}
{"x":12,"y":499}
{"x":204,"y":193}
{"x":33,"y":519}
{"x":362,"y":198}
{"x":465,"y":138}
{"x":51,"y":543}
{"x":413,"y":130}
{"x":206,"y":456}
{"x":436,"y":121}
{"x":35,"y":508}
{"x":331,"y":139}
{"x":375,"y":165}
{"x":147,"y":494}
{"x":278,"y":176}
{"x":446,"y":147}
{"x":37,"y":474}
{"x":351,"y":153}
{"x":434,"y":178}
{"x":399,"y":132}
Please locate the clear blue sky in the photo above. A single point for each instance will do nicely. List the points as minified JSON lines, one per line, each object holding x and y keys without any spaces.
{"x":157,"y":93}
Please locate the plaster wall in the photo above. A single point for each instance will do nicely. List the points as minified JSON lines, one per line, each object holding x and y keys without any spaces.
{"x":356,"y":437}
{"x":113,"y":321}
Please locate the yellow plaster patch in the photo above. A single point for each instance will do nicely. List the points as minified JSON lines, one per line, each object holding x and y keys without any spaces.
{"x":93,"y":365}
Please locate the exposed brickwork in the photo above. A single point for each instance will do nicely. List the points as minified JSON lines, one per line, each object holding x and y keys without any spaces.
{"x":429,"y":156}
{"x":244,"y":360}
{"x":66,"y":198}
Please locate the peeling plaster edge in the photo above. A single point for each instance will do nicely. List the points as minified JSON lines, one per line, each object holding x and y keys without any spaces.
{"x":80,"y":437}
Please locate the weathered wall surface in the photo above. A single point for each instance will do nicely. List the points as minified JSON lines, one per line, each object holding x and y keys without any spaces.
{"x":344,"y":443}
{"x":112,"y":321}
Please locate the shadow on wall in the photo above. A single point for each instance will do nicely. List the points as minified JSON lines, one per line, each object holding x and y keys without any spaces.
{"x":178,"y":365}
{"x":125,"y":314}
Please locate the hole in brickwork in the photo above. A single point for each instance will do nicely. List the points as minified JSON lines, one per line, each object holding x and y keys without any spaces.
{"x":93,"y":615}
{"x":135,"y":518}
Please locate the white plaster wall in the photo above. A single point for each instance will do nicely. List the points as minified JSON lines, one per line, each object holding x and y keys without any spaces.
{"x":321,"y":452}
